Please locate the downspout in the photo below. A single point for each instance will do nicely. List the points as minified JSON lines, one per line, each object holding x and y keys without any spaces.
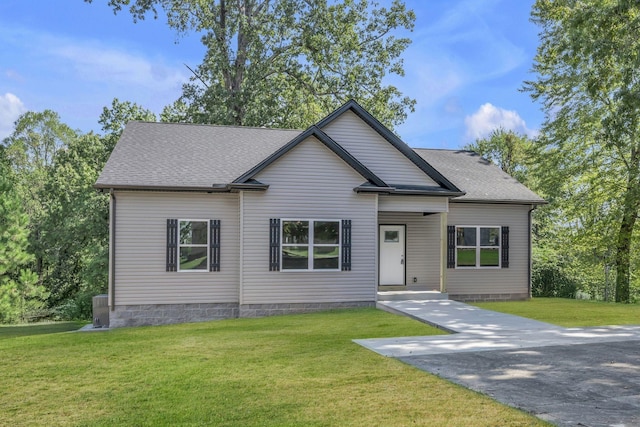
{"x":529,"y":250}
{"x":112,"y":250}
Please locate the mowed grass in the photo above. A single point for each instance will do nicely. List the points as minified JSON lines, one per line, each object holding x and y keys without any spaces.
{"x":299,"y":370}
{"x":43,"y":328}
{"x":570,"y":312}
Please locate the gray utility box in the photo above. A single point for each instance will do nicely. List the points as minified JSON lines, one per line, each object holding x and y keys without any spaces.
{"x":101,"y":311}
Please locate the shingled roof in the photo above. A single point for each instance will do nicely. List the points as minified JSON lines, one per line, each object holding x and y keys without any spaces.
{"x":482,"y":180}
{"x":172,"y":156}
{"x":187,"y":156}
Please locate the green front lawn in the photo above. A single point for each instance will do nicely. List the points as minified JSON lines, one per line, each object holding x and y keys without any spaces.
{"x":570,"y":312}
{"x":43,"y":328}
{"x":301,"y":370}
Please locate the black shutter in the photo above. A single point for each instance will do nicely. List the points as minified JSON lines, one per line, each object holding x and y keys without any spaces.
{"x":451,"y":246}
{"x":346,"y":245}
{"x":214,"y":244}
{"x":172,"y":245}
{"x":505,"y":247}
{"x":274,"y":245}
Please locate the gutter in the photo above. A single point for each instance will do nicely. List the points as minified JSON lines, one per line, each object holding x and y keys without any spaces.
{"x":529,"y":249}
{"x":407,"y":192}
{"x":112,"y":250}
{"x":215,"y":188}
{"x":502,"y":201}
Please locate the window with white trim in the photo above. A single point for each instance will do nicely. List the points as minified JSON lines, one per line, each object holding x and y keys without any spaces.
{"x":478,"y":247}
{"x":193,"y":245}
{"x":310,"y":244}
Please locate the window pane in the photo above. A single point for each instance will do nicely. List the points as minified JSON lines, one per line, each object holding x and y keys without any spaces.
{"x":466,"y":236}
{"x":466,"y":257}
{"x":489,"y":257}
{"x":391,"y":236}
{"x":489,"y":236}
{"x":295,"y":232}
{"x":295,"y":258}
{"x":326,"y":232}
{"x":193,"y":258}
{"x":193,"y":232}
{"x":326,"y":258}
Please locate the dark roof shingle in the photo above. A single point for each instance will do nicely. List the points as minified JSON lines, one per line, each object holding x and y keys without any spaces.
{"x":184,"y":155}
{"x":478,"y":177}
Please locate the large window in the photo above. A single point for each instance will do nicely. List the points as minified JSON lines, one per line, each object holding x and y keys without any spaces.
{"x":477,"y":246}
{"x":193,"y":245}
{"x":310,"y":245}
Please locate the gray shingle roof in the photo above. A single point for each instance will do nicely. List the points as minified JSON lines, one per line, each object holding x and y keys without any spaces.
{"x":186,"y":155}
{"x":481,"y":179}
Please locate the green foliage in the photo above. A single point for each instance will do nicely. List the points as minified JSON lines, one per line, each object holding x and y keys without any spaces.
{"x":287,"y":63}
{"x":77,"y":307}
{"x":20,"y":293}
{"x":75,"y":230}
{"x":551,"y":276}
{"x":54,"y":170}
{"x":588,"y":80}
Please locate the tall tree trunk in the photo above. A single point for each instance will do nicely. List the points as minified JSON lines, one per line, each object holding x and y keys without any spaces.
{"x":625,"y":233}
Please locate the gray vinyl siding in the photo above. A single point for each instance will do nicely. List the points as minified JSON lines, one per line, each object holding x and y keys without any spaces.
{"x":512,"y":280}
{"x":423,"y":246}
{"x":376,"y":153}
{"x":310,"y":182}
{"x":141,"y":229}
{"x":412,"y":204}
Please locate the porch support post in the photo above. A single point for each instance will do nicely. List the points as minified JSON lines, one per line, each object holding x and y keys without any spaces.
{"x":443,"y":252}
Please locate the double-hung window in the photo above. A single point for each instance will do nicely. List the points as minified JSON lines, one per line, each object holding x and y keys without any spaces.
{"x":310,"y":244}
{"x":478,"y":246}
{"x":193,"y":245}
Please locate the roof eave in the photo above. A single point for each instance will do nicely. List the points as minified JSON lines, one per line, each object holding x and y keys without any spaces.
{"x":215,"y":188}
{"x":133,"y":187}
{"x":406,"y":192}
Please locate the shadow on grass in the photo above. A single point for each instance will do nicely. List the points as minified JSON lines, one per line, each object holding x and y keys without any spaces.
{"x":13,"y":331}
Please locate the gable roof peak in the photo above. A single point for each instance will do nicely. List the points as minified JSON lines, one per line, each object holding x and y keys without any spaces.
{"x":392,"y":139}
{"x":325,"y":139}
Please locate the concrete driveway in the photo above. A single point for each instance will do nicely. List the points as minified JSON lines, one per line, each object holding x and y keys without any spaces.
{"x":567,"y":376}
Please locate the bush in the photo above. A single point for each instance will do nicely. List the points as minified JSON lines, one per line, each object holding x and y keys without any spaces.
{"x":551,"y":279}
{"x":80,"y":307}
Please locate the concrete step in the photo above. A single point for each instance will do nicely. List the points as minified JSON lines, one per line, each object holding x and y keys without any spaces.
{"x":411,"y":295}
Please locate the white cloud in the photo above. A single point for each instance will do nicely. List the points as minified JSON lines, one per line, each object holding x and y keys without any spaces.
{"x":95,"y":62}
{"x":489,"y":117}
{"x":11,"y":107}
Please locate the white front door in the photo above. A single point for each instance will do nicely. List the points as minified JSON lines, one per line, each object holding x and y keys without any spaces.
{"x":391,"y":257}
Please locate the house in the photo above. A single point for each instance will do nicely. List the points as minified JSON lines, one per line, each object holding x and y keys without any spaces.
{"x":211,"y":222}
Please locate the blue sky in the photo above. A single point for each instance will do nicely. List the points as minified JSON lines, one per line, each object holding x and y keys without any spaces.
{"x":466,"y":63}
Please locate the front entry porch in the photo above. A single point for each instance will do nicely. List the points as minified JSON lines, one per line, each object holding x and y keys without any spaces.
{"x":411,"y":255}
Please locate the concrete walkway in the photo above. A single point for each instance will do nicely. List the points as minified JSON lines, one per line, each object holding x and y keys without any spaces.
{"x":475,"y":329}
{"x":567,"y":376}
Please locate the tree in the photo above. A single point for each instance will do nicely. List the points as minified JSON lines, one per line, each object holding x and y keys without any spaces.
{"x":287,"y":63}
{"x":30,"y":151}
{"x":20,"y":293}
{"x":510,"y":151}
{"x":588,"y":80}
{"x":75,"y":229}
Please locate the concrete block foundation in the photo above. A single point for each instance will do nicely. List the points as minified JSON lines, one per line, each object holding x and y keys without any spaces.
{"x":166,"y":314}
